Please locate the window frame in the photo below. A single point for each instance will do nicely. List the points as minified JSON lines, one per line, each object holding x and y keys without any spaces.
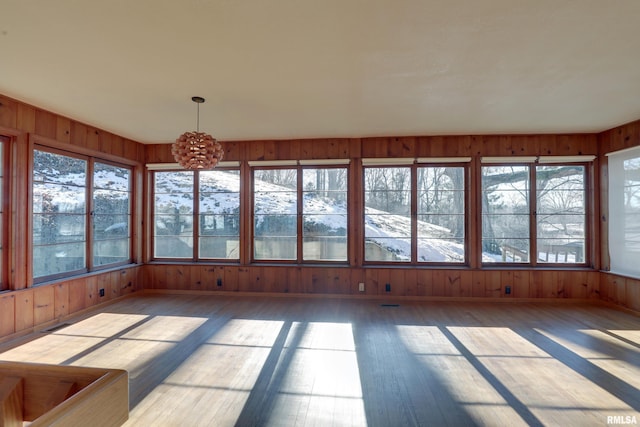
{"x":301,"y":191}
{"x":532,"y":163}
{"x":300,"y":167}
{"x":130,"y":214}
{"x":88,"y":214}
{"x":152,"y":222}
{"x":198,"y":215}
{"x":195,"y":254}
{"x":619,"y":259}
{"x":414,"y":165}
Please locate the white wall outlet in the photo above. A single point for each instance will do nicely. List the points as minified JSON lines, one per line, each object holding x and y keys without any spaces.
{"x":361,"y":286}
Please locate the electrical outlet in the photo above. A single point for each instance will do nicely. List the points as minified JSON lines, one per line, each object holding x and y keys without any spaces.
{"x":102,"y":292}
{"x":507,"y":290}
{"x":361,"y":286}
{"x":387,"y":287}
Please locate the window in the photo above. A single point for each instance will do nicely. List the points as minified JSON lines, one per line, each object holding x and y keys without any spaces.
{"x":59,"y":214}
{"x":219,"y":213}
{"x":111,"y":214}
{"x":65,"y":204}
{"x":324,"y":214}
{"x":560,"y":213}
{"x":505,"y":213}
{"x":624,"y":212}
{"x":435,"y":233}
{"x":319,"y":232}
{"x":173,"y":214}
{"x":387,"y":214}
{"x":216,"y":215}
{"x":441,"y":214}
{"x":275,"y":207}
{"x":537,"y":209}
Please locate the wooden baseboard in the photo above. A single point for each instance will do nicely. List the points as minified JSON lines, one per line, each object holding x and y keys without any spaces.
{"x":372,"y":297}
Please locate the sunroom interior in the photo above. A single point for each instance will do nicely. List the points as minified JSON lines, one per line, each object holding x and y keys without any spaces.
{"x":405,"y":191}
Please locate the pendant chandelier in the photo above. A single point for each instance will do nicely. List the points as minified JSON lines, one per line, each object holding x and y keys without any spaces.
{"x":197,"y":150}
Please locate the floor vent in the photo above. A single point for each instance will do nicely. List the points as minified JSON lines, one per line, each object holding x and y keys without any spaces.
{"x":55,"y":328}
{"x":389,"y":305}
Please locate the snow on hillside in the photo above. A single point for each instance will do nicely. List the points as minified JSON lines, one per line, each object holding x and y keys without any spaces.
{"x":68,"y":188}
{"x":174,"y":191}
{"x":381,"y":228}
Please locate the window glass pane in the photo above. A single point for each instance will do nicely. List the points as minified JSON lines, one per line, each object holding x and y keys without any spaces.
{"x":275,"y":205}
{"x":387,"y":195}
{"x":560,"y":213}
{"x":59,"y":169}
{"x":441,"y":214}
{"x":624,"y":212}
{"x":324,"y":214}
{"x":59,"y":214}
{"x":631,"y":209}
{"x":173,"y":214}
{"x":111,"y":214}
{"x":219,"y":211}
{"x":505,"y":214}
{"x":58,"y":258}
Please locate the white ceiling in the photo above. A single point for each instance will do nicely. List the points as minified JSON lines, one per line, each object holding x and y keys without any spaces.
{"x":280,"y":69}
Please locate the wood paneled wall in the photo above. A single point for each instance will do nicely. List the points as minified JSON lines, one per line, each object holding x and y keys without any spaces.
{"x":623,"y":291}
{"x":19,"y":118}
{"x":26,"y":307}
{"x":405,"y":281}
{"x":30,"y":309}
{"x":427,"y":146}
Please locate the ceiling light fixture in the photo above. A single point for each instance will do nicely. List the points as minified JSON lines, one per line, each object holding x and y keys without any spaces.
{"x":197,"y":150}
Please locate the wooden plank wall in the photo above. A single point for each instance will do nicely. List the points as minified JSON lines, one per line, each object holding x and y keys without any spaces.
{"x":26,"y":307}
{"x":405,"y":281}
{"x":427,"y":146}
{"x":25,"y":310}
{"x":619,"y":290}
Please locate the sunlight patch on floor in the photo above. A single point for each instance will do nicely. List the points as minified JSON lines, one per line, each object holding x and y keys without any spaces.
{"x":632,"y":335}
{"x":539,"y":381}
{"x":224,"y":370}
{"x":51,"y":348}
{"x":454,"y":372}
{"x":603,"y":350}
{"x":165,"y":328}
{"x":321,"y":385}
{"x":135,"y":349}
{"x":66,"y":343}
{"x":104,"y":325}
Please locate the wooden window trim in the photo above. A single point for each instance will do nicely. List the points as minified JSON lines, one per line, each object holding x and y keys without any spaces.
{"x":90,"y":161}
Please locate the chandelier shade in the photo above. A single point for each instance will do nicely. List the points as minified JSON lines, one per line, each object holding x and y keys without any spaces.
{"x":197,"y":150}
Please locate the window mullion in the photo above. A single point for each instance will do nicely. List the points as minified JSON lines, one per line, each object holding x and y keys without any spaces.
{"x":89,"y":215}
{"x":300,"y":216}
{"x":196,"y":216}
{"x":414,"y":214}
{"x":533,"y":209}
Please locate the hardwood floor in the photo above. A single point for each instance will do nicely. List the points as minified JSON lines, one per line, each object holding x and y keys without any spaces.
{"x":208,"y":360}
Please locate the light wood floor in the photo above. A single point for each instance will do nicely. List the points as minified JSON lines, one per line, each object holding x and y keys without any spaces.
{"x":270,"y":361}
